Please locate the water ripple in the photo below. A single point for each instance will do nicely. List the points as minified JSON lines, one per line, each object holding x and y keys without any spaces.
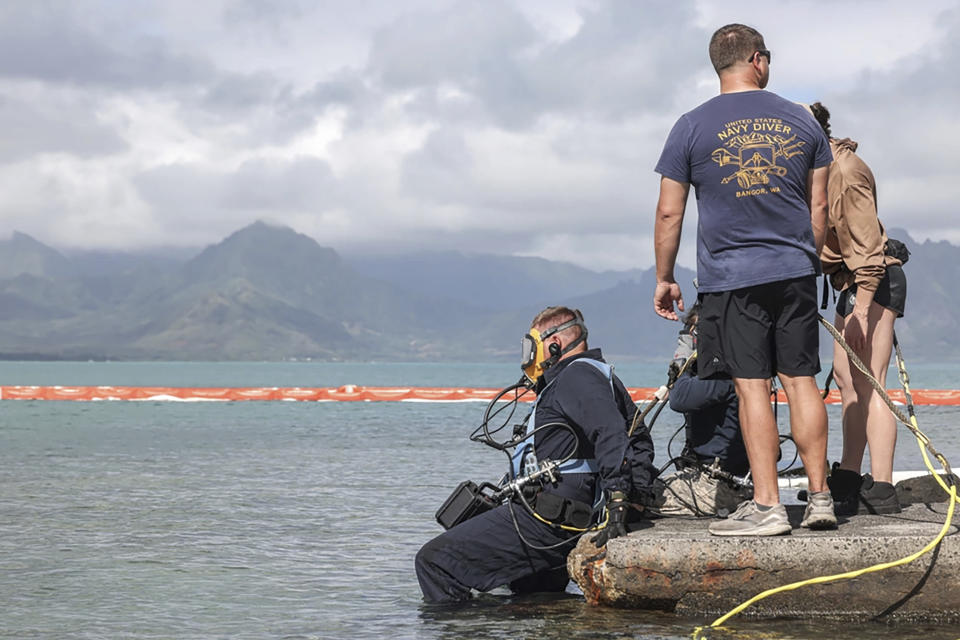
{"x":279,"y":520}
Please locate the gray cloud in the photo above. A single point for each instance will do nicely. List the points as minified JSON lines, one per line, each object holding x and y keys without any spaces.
{"x":184,"y":196}
{"x":235,"y":93}
{"x":350,"y":92}
{"x":190,"y":193}
{"x":257,"y":13}
{"x":613,"y":67}
{"x":57,"y":42}
{"x":616,"y":65}
{"x":84,"y":46}
{"x":906,"y":128}
{"x":523,"y":127}
{"x":268,"y":111}
{"x":302,"y":184}
{"x":440,"y":171}
{"x":46,"y":127}
{"x":458,"y":44}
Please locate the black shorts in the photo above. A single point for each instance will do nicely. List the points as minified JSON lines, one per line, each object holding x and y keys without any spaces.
{"x":891,"y":293}
{"x":759,"y":331}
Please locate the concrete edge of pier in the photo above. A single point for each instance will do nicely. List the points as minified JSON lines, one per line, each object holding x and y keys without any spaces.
{"x":674,"y":564}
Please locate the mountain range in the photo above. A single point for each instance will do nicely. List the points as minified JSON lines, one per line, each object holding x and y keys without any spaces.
{"x":270,"y":293}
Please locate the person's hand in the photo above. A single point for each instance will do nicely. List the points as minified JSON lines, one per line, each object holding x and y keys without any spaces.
{"x":855,"y":330}
{"x":616,"y":520}
{"x":664,"y":296}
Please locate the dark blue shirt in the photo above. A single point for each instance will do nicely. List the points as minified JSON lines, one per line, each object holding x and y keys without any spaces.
{"x":747,"y":156}
{"x":580,"y":395}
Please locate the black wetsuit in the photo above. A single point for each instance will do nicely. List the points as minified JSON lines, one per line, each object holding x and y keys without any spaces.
{"x":712,"y":423}
{"x":486,"y":552}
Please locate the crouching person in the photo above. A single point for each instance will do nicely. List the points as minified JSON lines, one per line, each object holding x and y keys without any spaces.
{"x":714,"y":459}
{"x":581,"y":420}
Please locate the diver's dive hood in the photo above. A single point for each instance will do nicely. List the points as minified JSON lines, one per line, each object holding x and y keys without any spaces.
{"x":534,"y":361}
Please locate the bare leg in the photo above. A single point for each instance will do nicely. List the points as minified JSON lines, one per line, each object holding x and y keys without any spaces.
{"x":878,"y":424}
{"x":760,"y":436}
{"x":854,"y":435}
{"x":808,"y":423}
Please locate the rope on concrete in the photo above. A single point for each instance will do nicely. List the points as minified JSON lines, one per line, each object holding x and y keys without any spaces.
{"x":925,"y":445}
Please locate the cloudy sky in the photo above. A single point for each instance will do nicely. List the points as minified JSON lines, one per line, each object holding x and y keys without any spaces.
{"x":528,"y":127}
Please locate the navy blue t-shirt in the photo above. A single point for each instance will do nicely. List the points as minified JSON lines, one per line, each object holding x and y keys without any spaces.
{"x":747,"y":156}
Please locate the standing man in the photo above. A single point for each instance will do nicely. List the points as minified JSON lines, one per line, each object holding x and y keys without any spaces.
{"x":873,"y":292}
{"x":758,"y":164}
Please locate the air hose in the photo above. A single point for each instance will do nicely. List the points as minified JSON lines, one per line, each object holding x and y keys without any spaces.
{"x":660,"y":396}
{"x":925,"y":445}
{"x":485,"y":434}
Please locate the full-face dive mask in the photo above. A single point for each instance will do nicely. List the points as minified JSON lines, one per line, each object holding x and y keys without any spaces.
{"x":534,"y":359}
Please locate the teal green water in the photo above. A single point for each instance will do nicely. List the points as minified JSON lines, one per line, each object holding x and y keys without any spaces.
{"x":281,"y":520}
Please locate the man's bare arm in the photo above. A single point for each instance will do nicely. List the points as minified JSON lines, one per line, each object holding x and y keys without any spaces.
{"x":666,"y":241}
{"x":817,"y":201}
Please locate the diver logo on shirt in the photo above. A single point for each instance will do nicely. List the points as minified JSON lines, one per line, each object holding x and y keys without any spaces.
{"x":754,"y":145}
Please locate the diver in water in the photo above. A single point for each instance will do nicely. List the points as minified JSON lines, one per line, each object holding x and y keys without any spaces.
{"x":574,"y":450}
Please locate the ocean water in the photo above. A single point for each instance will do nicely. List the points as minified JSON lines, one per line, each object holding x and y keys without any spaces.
{"x":290,"y":519}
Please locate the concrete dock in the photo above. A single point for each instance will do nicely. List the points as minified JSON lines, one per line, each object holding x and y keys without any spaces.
{"x":674,"y":564}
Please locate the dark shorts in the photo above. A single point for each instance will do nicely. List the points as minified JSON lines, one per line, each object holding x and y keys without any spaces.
{"x":759,"y":331}
{"x":891,"y":293}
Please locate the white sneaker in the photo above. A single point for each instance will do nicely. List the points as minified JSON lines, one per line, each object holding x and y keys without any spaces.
{"x":819,"y":512}
{"x":748,"y":520}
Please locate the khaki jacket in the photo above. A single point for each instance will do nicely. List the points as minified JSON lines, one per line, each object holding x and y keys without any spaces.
{"x":853,"y":251}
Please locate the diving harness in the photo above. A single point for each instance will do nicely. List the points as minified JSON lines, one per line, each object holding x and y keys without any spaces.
{"x":528,"y":477}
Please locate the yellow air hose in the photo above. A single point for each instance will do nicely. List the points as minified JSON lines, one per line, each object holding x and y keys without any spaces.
{"x":924,"y":443}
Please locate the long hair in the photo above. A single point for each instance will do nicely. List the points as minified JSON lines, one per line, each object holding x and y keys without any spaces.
{"x":822,"y":115}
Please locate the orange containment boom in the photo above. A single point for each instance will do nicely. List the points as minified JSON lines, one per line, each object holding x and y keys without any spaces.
{"x":352,"y":392}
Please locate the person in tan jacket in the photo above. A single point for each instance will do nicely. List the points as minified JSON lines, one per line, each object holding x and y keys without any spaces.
{"x":872,"y":294}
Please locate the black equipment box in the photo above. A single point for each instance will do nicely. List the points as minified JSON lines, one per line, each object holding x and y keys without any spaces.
{"x":466,"y":501}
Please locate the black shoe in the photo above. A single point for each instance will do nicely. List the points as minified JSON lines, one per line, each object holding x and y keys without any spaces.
{"x":845,"y":489}
{"x":878,"y":497}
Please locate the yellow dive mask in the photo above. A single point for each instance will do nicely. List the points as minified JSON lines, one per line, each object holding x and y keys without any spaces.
{"x":533,"y":357}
